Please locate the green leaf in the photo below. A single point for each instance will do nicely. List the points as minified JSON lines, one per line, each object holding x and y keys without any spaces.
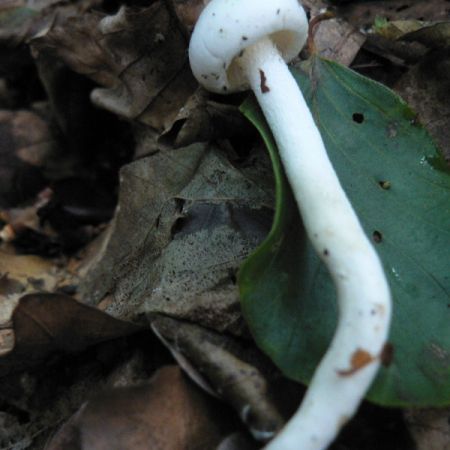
{"x":394,"y":177}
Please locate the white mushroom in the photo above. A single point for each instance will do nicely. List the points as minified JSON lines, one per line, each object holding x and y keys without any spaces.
{"x":238,"y":44}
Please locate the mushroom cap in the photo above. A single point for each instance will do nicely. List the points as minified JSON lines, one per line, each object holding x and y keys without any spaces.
{"x":227,"y":27}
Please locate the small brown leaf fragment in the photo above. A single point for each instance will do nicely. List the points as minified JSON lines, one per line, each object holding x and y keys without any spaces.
{"x":264,"y":87}
{"x":387,"y":354}
{"x":359,"y":359}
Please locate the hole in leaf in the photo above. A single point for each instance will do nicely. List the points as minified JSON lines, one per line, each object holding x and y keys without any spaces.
{"x":385,"y":184}
{"x":358,"y":117}
{"x":377,"y":236}
{"x":232,"y":276}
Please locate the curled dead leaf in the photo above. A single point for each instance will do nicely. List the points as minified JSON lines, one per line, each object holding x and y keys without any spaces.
{"x":229,"y":369}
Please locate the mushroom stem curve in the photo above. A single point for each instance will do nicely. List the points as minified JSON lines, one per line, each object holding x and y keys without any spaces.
{"x":339,"y":383}
{"x":237,"y":43}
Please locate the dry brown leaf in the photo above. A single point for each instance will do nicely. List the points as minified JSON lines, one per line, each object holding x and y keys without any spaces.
{"x":195,"y":218}
{"x":44,"y":324}
{"x":138,"y":55}
{"x":21,"y":19}
{"x":337,"y":40}
{"x":229,"y":369}
{"x":204,"y":120}
{"x":334,"y":38}
{"x":433,"y":36}
{"x":168,"y":413}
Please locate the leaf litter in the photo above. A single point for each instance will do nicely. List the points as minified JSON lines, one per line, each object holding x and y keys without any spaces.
{"x":188,"y":214}
{"x":105,"y":421}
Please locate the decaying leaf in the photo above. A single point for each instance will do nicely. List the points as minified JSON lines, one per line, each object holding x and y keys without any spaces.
{"x":39,"y":400}
{"x":363,"y":14}
{"x":433,"y":36}
{"x":139,"y":56}
{"x":202,"y":119}
{"x":397,"y":28}
{"x":44,"y":324}
{"x":430,"y":428}
{"x":168,"y":413}
{"x":21,"y":20}
{"x":426,"y":86}
{"x":338,"y":40}
{"x":195,"y":218}
{"x":232,"y":371}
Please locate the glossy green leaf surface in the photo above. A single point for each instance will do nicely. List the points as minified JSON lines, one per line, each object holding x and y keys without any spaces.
{"x":400,"y":188}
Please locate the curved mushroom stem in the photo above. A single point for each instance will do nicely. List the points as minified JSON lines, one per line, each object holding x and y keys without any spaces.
{"x":353,"y":358}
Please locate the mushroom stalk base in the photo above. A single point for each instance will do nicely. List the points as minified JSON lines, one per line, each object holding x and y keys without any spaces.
{"x":353,"y":358}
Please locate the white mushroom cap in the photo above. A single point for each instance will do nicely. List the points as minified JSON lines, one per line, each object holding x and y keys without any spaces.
{"x":227,"y":27}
